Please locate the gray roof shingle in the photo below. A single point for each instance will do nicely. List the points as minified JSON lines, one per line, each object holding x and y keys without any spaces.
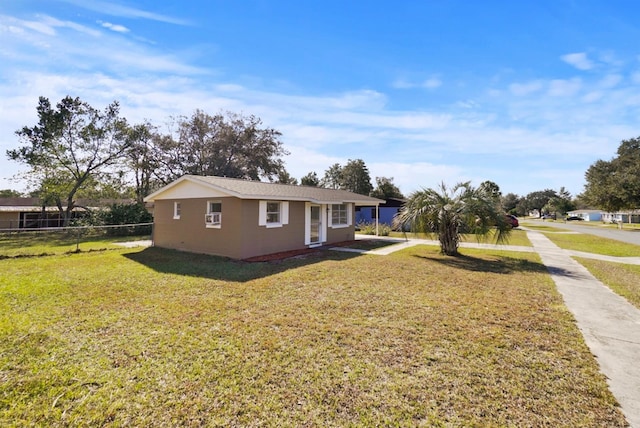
{"x":247,"y":189}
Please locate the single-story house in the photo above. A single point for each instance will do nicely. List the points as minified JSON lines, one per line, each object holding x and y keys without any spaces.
{"x":241,"y":218}
{"x":587,"y":215}
{"x":19,"y":213}
{"x":385,"y":212}
{"x":30,"y":213}
{"x":622,"y":217}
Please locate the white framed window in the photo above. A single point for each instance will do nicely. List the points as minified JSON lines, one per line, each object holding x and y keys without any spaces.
{"x":176,"y":210}
{"x":340,"y":215}
{"x":273,"y":213}
{"x":213,"y":217}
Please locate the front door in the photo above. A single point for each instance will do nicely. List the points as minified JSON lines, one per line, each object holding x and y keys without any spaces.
{"x":314,"y":225}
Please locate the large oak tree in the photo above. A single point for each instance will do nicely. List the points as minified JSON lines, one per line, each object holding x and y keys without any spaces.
{"x":614,"y":185}
{"x":71,"y":147}
{"x":230,"y":145}
{"x":354,"y":177}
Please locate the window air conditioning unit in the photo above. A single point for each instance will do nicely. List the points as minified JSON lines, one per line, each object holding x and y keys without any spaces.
{"x":213,"y":218}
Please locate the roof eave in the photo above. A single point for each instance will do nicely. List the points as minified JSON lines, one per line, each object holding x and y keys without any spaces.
{"x":194,"y":179}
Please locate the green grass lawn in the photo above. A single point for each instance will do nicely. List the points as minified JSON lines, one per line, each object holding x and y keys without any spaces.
{"x":593,"y":244}
{"x":152,"y":337}
{"x":627,"y":226}
{"x":49,"y":242}
{"x":621,"y":278}
{"x":541,"y":227}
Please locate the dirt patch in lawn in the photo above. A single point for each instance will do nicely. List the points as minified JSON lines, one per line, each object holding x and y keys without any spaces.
{"x":275,"y":257}
{"x":360,"y":244}
{"x":303,"y":252}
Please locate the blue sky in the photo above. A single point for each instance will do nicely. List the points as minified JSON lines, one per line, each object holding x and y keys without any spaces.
{"x":524,"y":93}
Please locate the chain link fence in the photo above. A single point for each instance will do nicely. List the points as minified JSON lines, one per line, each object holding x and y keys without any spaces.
{"x":24,"y":242}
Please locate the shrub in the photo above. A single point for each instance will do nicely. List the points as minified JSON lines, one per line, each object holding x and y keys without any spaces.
{"x":127,"y":214}
{"x":370,"y":228}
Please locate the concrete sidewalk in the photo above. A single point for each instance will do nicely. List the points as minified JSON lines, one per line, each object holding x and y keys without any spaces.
{"x":610,"y":325}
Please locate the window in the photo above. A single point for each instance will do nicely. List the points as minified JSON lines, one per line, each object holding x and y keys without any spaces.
{"x":213,"y":218}
{"x":273,"y":213}
{"x":176,"y":210}
{"x":339,"y":215}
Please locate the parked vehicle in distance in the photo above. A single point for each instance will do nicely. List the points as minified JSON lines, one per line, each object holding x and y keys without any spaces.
{"x":574,"y":217}
{"x":513,"y":220}
{"x":549,"y":216}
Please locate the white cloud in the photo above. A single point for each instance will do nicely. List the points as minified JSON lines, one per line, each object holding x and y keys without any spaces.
{"x":514,"y":133}
{"x":412,"y":176}
{"x":522,"y":89}
{"x":610,"y":80}
{"x":40,"y":27}
{"x":114,"y":9}
{"x":578,"y":60}
{"x":114,"y":27}
{"x":43,"y":25}
{"x":432,"y":83}
{"x":592,"y":97}
{"x":564,"y":87}
{"x":104,"y":51}
{"x":402,"y":84}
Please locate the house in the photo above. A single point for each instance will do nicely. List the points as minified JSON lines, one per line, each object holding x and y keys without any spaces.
{"x":27,"y":213}
{"x":30,"y":213}
{"x":242,"y":219}
{"x":622,"y":217}
{"x":385,"y":212}
{"x":19,"y":213}
{"x":587,"y":215}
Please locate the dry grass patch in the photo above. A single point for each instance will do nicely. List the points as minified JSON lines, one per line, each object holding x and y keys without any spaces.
{"x":621,"y":278}
{"x":368,"y":244}
{"x":516,"y":237}
{"x":161,"y":338}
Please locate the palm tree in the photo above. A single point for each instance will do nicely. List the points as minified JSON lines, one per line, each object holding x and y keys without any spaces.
{"x":450,"y":213}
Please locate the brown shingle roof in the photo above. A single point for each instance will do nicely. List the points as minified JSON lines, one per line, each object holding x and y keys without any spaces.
{"x":246,"y":189}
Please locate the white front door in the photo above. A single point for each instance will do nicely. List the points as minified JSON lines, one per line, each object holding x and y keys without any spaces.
{"x":315,"y":225}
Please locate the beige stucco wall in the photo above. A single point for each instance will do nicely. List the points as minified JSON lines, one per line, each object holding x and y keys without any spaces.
{"x":189,"y":232}
{"x":259,"y":240}
{"x":239,"y":236}
{"x":341,"y":234}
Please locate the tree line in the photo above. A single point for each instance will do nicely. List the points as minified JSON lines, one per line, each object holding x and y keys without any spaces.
{"x":612,"y":186}
{"x":77,"y":151}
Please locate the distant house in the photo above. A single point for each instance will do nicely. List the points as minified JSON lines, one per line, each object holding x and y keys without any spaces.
{"x":242,"y":219}
{"x":27,"y":213}
{"x":385,"y":212}
{"x":19,"y":213}
{"x":31,"y":213}
{"x":632,"y":216}
{"x":587,"y":215}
